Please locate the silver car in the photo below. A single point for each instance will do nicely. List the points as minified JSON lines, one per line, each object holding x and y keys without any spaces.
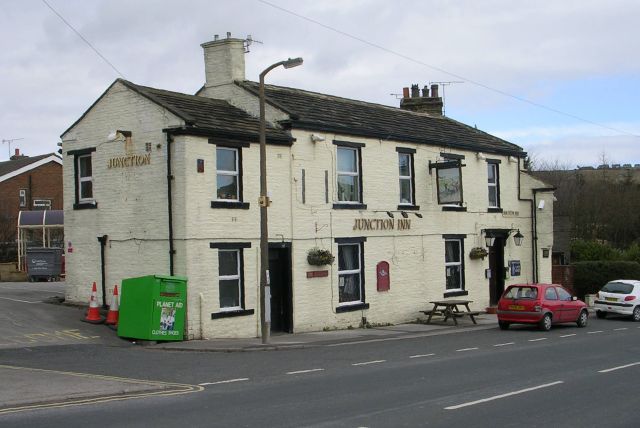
{"x":621,"y":296}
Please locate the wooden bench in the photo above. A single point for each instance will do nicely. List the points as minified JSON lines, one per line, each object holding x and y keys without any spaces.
{"x":433,"y":312}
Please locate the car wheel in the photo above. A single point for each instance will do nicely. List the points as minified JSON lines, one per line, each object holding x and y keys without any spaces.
{"x":545,"y":322}
{"x":636,"y":314}
{"x":582,"y":319}
{"x":601,"y":314}
{"x":503,"y":325}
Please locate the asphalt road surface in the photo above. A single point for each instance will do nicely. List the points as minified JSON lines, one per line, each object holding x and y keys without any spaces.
{"x":479,"y":378}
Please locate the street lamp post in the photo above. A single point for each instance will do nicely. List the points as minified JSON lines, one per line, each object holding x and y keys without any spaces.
{"x":265,"y":292}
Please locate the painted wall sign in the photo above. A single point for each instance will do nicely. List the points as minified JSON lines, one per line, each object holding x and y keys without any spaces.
{"x":384,"y":278}
{"x":129,"y":160}
{"x":382,"y":224}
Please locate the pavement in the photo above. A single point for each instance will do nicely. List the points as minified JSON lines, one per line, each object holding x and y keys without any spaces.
{"x":332,"y":338}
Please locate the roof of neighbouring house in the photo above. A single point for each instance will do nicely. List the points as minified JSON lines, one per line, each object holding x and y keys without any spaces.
{"x":202,"y":114}
{"x":12,"y":168}
{"x":321,"y":112}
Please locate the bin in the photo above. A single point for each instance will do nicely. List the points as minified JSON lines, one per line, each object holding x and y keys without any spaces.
{"x":153,"y":307}
{"x":44,"y":263}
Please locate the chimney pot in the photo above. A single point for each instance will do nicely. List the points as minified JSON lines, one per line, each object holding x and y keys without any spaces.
{"x":228,"y":34}
{"x":434,"y":91}
{"x":425,"y":91}
{"x":17,"y":152}
{"x":415,"y":91}
{"x":405,"y":92}
{"x":215,"y":37}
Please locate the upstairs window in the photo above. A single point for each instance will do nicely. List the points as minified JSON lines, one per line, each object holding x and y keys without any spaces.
{"x":85,"y":178}
{"x":228,"y":174}
{"x":83,"y":173}
{"x":406,"y":178}
{"x":348,"y":172}
{"x":493,"y":184}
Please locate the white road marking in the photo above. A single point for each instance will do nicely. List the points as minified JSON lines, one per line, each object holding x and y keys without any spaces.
{"x":497,"y":397}
{"x":241,"y":379}
{"x":537,"y":340}
{"x":620,"y":329}
{"x":466,"y":349}
{"x":618,"y":368}
{"x":421,"y":355}
{"x":568,"y":335}
{"x":305,"y":371}
{"x":505,"y":344}
{"x":368,"y":362}
{"x":18,"y":300}
{"x":594,"y":332}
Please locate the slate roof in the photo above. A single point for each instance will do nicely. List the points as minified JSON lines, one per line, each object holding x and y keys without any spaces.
{"x":321,"y":112}
{"x":204,"y":116}
{"x":10,"y":166}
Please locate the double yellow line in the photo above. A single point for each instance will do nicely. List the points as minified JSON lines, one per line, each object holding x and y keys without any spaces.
{"x":168,"y":389}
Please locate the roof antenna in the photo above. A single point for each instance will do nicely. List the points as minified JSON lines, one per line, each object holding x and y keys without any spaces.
{"x":444,"y":84}
{"x":248,"y":42}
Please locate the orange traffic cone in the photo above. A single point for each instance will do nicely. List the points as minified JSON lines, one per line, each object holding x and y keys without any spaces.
{"x":112,"y":315}
{"x":93,"y":314}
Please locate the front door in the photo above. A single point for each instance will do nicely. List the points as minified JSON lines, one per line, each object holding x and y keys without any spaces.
{"x":281,"y":296}
{"x":496,"y":266}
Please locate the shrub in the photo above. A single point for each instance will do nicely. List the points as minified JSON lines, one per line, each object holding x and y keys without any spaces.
{"x":582,"y":251}
{"x":632,"y":253}
{"x":590,"y":276}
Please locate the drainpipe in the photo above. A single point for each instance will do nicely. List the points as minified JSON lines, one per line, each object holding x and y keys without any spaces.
{"x":170,"y":202}
{"x":103,"y":242}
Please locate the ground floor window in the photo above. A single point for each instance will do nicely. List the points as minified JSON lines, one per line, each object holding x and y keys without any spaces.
{"x":454,"y":267}
{"x":230,"y":279}
{"x":350,"y":273}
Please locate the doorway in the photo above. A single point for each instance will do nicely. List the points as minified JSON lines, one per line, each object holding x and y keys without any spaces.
{"x":496,"y":268}
{"x":281,"y":288}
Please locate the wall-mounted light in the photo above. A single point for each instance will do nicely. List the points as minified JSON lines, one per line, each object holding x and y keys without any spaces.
{"x":418,"y":215}
{"x":513,"y":159}
{"x":316,"y":138}
{"x":118,"y":135}
{"x":404,"y":214}
{"x":541,"y":204}
{"x":489,"y":240}
{"x":390,"y":214}
{"x":480,"y":155}
{"x":518,"y":238}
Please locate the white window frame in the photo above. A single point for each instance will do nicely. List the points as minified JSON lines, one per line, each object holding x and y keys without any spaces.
{"x":85,"y":179}
{"x":356,"y":174}
{"x":235,"y":173}
{"x":458,"y":263}
{"x":406,"y":178}
{"x":493,"y":186}
{"x":22,"y":196}
{"x":351,"y":272}
{"x":236,"y":277}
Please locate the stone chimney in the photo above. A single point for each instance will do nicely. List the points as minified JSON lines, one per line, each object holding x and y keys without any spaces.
{"x":422,"y":104}
{"x":223,"y":60}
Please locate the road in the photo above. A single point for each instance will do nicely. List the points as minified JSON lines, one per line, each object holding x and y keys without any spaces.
{"x":481,"y":378}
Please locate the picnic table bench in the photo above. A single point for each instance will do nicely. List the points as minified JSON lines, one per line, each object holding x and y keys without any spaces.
{"x":451,"y":309}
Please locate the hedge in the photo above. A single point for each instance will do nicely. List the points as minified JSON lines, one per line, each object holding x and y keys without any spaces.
{"x":590,"y":277}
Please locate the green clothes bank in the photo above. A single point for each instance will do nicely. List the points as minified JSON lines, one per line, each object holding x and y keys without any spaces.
{"x":153,"y":307}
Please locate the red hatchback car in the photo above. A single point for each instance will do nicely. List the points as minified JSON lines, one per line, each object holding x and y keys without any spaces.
{"x":542,"y":304}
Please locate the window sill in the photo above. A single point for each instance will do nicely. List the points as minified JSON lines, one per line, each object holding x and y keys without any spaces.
{"x":230,"y":205}
{"x":456,"y":293}
{"x":85,"y":206}
{"x":408,"y":207}
{"x":349,"y":206}
{"x":494,"y":210}
{"x":351,"y":308}
{"x":229,"y":314}
{"x":451,"y":208}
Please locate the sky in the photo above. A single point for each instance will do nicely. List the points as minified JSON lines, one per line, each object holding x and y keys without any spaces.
{"x":559,"y":78}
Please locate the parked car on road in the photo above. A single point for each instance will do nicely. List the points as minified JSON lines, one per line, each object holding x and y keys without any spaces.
{"x":621,"y":296}
{"x":542,"y":304}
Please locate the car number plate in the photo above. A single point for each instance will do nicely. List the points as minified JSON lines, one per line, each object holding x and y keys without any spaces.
{"x":516,"y":307}
{"x":611,"y":299}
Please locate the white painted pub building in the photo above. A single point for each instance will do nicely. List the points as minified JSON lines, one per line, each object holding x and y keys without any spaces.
{"x":159,"y":182}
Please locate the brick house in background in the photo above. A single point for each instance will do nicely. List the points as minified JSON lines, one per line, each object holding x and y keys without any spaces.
{"x":26,"y":183}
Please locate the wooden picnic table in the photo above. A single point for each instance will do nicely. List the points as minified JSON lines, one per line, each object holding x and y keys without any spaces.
{"x":451,"y":309}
